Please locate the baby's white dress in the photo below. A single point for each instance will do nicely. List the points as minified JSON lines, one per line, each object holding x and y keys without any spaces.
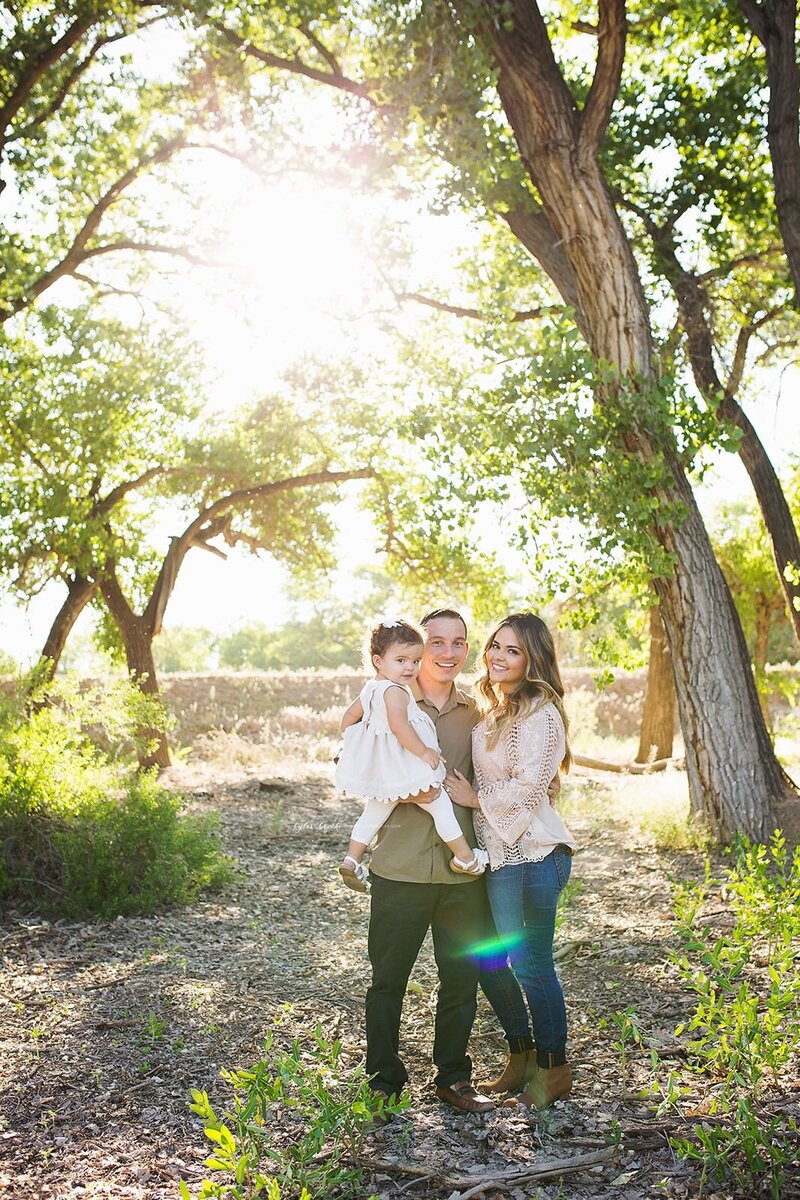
{"x":375,"y":767}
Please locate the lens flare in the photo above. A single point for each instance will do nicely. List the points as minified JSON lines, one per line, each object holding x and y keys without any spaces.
{"x":493,"y":953}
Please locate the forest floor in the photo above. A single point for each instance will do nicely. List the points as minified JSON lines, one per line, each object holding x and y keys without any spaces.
{"x":107,"y":1025}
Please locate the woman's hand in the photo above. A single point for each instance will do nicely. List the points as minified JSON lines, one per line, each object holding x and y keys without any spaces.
{"x":460,"y":790}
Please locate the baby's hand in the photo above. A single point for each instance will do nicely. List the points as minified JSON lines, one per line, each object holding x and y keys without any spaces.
{"x":432,"y":758}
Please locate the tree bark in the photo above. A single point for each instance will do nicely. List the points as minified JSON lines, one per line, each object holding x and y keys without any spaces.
{"x":734,"y":777}
{"x":79,"y":592}
{"x":658,"y":719}
{"x":773,"y":22}
{"x":137,"y":637}
{"x":760,"y":649}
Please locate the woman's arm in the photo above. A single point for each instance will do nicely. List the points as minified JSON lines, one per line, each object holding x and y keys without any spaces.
{"x":396,"y":700}
{"x":352,"y":715}
{"x":535,"y":752}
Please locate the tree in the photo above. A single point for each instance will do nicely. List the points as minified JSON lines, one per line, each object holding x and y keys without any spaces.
{"x":101,"y":434}
{"x":440,"y":75}
{"x":707,"y":220}
{"x":80,"y":130}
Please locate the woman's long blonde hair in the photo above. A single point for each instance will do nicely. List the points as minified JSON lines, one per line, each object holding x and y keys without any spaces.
{"x":542,"y":682}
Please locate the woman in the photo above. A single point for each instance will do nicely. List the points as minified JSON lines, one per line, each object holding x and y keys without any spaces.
{"x":517,"y":748}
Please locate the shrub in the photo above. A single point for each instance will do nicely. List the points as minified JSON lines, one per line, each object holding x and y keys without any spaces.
{"x":81,"y":830}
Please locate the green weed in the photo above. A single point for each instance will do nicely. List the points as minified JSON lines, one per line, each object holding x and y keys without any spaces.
{"x":296,"y":1127}
{"x":745,"y":1027}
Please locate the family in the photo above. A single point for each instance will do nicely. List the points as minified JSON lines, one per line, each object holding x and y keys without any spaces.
{"x":460,"y":797}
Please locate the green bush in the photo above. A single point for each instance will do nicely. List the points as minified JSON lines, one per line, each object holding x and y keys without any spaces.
{"x":82,"y":831}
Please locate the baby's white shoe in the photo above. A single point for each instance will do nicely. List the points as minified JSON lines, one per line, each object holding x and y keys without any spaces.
{"x":476,"y":865}
{"x":354,"y":874}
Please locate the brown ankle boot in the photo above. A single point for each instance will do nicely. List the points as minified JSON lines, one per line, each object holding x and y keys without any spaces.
{"x":516,"y":1073}
{"x":547,"y":1085}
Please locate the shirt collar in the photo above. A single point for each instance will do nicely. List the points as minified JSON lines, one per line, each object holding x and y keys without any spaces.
{"x":456,"y":697}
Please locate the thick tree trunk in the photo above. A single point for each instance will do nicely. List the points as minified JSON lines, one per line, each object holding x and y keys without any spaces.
{"x":79,"y":592}
{"x":734,"y":777}
{"x":658,"y":718}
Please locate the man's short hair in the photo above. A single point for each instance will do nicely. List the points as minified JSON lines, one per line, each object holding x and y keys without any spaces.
{"x":444,"y":612}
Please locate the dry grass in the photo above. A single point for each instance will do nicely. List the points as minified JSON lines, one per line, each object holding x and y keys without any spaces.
{"x":651,"y":811}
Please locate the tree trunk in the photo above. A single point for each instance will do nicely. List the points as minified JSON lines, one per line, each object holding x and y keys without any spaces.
{"x":138,"y":641}
{"x":760,"y":650}
{"x":734,"y":777}
{"x":137,"y":637}
{"x":79,"y":592}
{"x":658,"y":719}
{"x":773,"y":23}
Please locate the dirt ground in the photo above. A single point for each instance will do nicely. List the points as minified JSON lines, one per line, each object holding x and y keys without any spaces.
{"x":106,"y":1026}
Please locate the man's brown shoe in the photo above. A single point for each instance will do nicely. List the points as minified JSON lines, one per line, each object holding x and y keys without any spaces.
{"x":464,"y":1096}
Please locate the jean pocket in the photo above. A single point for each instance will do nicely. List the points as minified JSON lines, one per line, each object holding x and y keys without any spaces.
{"x":562,"y":861}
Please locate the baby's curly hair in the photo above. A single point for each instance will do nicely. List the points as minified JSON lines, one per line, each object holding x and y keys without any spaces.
{"x":389,"y":633}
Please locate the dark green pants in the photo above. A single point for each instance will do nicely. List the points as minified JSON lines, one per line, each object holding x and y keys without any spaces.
{"x":400,"y":916}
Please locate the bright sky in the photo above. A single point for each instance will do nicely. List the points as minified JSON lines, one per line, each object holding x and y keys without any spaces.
{"x":305,"y":258}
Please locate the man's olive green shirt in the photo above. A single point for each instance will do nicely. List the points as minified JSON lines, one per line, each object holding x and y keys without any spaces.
{"x":409,"y":849}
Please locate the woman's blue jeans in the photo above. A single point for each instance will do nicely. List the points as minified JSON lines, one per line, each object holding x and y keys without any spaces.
{"x":523,"y":898}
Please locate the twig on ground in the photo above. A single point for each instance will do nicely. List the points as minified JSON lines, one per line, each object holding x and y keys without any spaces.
{"x":550,"y":1169}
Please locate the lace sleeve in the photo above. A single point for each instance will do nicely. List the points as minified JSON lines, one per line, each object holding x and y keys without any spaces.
{"x":535,"y":750}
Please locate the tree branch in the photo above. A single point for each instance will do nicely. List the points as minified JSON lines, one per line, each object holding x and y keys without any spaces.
{"x":78,"y":252}
{"x":322,"y":50}
{"x":531,"y":227}
{"x":757,"y":258}
{"x":608,"y":72}
{"x":213,"y":518}
{"x":39,"y":67}
{"x":74,"y":75}
{"x":189,"y":256}
{"x":527,"y":314}
{"x":742,"y":343}
{"x":119,"y":493}
{"x":296,"y":66}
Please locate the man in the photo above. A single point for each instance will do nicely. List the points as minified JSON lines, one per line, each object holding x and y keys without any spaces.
{"x":413,"y":889}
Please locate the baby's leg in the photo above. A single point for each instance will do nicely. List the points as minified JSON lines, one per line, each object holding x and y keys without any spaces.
{"x":375,"y":815}
{"x":447,"y":827}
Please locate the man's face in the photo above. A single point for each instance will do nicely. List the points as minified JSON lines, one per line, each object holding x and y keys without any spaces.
{"x":445,"y":650}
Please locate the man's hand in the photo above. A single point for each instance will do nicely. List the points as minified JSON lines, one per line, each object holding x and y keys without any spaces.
{"x":554,"y":786}
{"x":460,"y":790}
{"x":421,"y":797}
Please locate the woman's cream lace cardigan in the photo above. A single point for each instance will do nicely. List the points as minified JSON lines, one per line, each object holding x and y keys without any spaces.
{"x":516,"y":821}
